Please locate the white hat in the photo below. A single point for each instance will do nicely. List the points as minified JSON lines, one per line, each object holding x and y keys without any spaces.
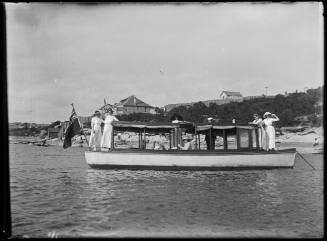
{"x":107,"y":110}
{"x":267,"y":113}
{"x":210,"y":118}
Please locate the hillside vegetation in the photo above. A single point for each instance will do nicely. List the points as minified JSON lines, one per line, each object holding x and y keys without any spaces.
{"x":285,"y":107}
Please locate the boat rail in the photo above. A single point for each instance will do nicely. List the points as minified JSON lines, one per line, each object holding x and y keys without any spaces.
{"x":203,"y":152}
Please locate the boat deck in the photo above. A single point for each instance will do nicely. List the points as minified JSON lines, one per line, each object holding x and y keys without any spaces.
{"x":197,"y":152}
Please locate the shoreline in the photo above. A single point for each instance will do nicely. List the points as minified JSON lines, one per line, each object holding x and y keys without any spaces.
{"x":302,"y":147}
{"x":302,"y":141}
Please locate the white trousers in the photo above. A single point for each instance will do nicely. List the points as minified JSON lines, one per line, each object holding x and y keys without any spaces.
{"x":95,"y":139}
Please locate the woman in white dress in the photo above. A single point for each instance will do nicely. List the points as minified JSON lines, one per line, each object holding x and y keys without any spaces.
{"x":270,"y":130}
{"x":96,"y":134}
{"x":261,"y":131}
{"x":108,"y":129}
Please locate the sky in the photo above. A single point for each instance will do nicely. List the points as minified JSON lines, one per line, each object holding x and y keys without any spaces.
{"x":62,"y":53}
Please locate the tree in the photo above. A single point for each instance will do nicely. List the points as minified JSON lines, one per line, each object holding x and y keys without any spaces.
{"x":285,"y":107}
{"x":286,"y":117}
{"x":159,"y":111}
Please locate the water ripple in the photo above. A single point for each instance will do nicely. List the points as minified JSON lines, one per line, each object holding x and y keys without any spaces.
{"x":55,"y":194}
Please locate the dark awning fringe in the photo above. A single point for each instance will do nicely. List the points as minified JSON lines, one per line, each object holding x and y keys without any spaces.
{"x":167,"y":126}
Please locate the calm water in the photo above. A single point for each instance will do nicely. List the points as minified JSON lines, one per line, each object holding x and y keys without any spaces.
{"x":54,"y":191}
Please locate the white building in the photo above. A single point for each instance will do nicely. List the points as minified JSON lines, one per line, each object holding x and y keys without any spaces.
{"x":230,"y":95}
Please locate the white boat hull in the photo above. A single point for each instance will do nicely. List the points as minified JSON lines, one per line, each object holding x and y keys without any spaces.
{"x":185,"y":160}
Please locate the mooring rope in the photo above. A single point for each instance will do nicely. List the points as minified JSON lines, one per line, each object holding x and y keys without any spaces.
{"x":306,"y":160}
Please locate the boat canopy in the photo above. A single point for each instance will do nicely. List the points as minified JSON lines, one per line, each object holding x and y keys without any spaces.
{"x":150,"y":127}
{"x":230,"y":129}
{"x":246,"y":135}
{"x":168,"y":126}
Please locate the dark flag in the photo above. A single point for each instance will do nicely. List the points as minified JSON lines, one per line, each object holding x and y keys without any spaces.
{"x":73,"y":129}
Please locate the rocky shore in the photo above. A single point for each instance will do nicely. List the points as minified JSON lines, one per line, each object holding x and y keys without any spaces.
{"x":308,"y":141}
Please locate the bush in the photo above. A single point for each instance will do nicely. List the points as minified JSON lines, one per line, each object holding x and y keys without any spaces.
{"x":285,"y":107}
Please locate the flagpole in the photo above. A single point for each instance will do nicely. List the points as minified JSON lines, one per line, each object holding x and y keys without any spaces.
{"x":80,"y":125}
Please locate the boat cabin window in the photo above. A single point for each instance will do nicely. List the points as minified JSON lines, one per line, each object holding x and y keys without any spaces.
{"x":219,"y":142}
{"x":231,"y":142}
{"x":244,"y":138}
{"x":234,"y":138}
{"x":162,"y":137}
{"x":201,"y":143}
{"x":126,"y":140}
{"x":218,"y":139}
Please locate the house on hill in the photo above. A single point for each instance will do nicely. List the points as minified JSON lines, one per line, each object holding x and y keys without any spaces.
{"x":226,"y":97}
{"x":230,"y":95}
{"x":133,"y":105}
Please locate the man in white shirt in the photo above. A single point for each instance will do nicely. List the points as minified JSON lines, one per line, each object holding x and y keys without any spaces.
{"x":188,"y":144}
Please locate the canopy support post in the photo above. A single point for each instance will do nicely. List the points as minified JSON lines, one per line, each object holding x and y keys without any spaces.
{"x":141,"y":141}
{"x":257,"y":138}
{"x":169,"y":139}
{"x":210,"y":140}
{"x":112,"y":146}
{"x":250,"y":139}
{"x":225,"y":140}
{"x":196,"y":139}
{"x":144,"y":147}
{"x":237,"y":139}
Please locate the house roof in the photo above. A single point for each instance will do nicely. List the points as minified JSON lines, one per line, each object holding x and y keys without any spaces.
{"x":232,"y":93}
{"x":106,"y":106}
{"x":133,"y":101}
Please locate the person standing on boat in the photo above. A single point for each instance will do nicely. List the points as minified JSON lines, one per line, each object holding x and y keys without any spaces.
{"x":210,"y":145}
{"x":177,"y":137}
{"x":270,"y":130}
{"x":261,"y":132}
{"x":158,"y":146}
{"x":96,"y":134}
{"x":176,"y":121}
{"x":188,"y":144}
{"x":108,"y":129}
